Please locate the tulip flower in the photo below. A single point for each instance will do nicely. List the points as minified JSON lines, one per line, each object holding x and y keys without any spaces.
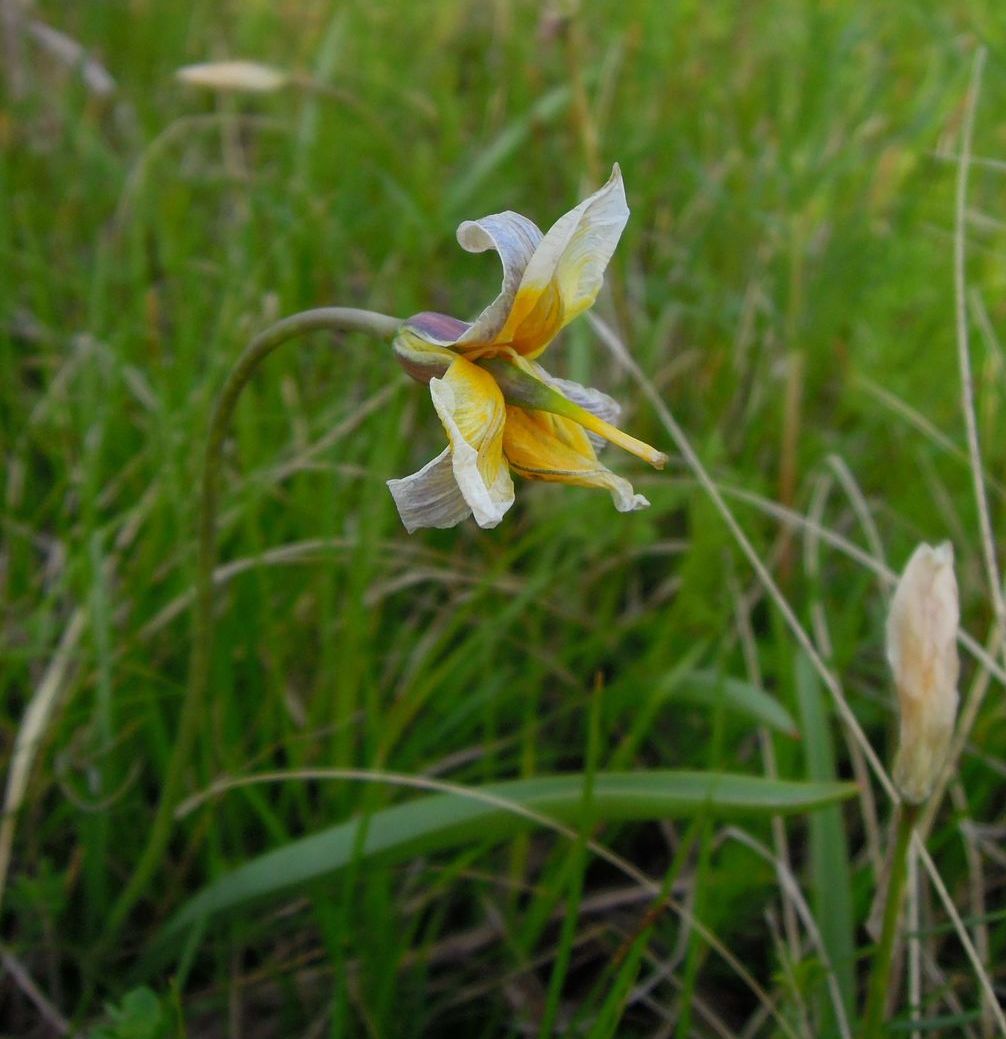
{"x":922,"y":650}
{"x":501,"y":411}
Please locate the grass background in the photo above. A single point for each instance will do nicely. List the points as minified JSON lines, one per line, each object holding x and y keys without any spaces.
{"x":786,"y":283}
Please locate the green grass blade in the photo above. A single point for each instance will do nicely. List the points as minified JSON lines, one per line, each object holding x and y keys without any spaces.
{"x":712,"y":689}
{"x":829,"y":853}
{"x":579,"y":860}
{"x":543,"y":111}
{"x":700,"y":686}
{"x":497,"y":812}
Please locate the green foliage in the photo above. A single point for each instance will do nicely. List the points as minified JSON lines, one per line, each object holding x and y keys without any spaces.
{"x":139,"y":1015}
{"x":829,"y":854}
{"x":789,"y":166}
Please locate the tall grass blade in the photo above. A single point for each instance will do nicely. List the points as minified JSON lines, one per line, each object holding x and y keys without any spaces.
{"x":712,"y":689}
{"x":829,"y":852}
{"x":506,"y":143}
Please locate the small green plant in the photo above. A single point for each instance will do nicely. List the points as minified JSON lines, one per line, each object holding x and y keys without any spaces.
{"x":139,"y":1015}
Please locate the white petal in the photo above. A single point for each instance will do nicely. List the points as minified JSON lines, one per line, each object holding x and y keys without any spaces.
{"x":922,"y":625}
{"x":577,"y":247}
{"x":625,"y":499}
{"x":515,"y":238}
{"x":922,"y":648}
{"x":488,"y":502}
{"x":431,"y":497}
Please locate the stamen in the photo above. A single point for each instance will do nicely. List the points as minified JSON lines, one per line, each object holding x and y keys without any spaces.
{"x":616,"y":436}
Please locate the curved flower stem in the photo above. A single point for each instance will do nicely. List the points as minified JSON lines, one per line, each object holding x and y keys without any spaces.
{"x":880,"y":976}
{"x":343,"y":319}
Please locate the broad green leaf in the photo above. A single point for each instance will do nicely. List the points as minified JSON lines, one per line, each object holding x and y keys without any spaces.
{"x":496,"y":812}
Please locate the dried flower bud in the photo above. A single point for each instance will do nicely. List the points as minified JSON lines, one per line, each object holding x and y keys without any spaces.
{"x":250,"y":77}
{"x":922,"y":651}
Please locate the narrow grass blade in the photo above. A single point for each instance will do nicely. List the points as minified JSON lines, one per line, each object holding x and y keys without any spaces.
{"x":704,"y":687}
{"x":30,"y":734}
{"x":711,"y":689}
{"x":829,"y":853}
{"x":496,"y":812}
{"x":506,"y":143}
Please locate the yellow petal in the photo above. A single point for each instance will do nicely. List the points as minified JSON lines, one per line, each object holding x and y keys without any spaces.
{"x":563,"y":277}
{"x":471,"y":408}
{"x":542,"y":446}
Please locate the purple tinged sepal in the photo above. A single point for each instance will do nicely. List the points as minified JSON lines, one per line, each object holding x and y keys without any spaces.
{"x":422,"y":346}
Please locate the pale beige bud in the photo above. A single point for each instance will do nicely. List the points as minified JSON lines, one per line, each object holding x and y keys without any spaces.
{"x":241,"y":76}
{"x":922,"y":651}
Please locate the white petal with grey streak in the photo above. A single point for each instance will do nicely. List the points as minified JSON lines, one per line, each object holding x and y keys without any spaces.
{"x":577,"y":247}
{"x":430,"y":497}
{"x":515,"y":238}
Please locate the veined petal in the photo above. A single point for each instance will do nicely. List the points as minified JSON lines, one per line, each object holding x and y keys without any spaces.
{"x":471,"y":408}
{"x":543,"y":446}
{"x":597,"y":402}
{"x":564,"y":276}
{"x":431,"y":497}
{"x":515,"y":238}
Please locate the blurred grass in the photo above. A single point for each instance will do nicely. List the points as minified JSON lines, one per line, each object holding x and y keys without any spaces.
{"x":787,"y":165}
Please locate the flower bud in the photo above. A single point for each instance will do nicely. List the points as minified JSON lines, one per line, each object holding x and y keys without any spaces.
{"x":922,"y":652}
{"x":250,"y":77}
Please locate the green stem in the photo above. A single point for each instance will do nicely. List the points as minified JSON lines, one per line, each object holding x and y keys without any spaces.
{"x":883,"y":958}
{"x":344,"y":319}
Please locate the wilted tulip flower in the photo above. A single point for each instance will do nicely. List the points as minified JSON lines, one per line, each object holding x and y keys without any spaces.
{"x":922,"y":651}
{"x":501,"y":410}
